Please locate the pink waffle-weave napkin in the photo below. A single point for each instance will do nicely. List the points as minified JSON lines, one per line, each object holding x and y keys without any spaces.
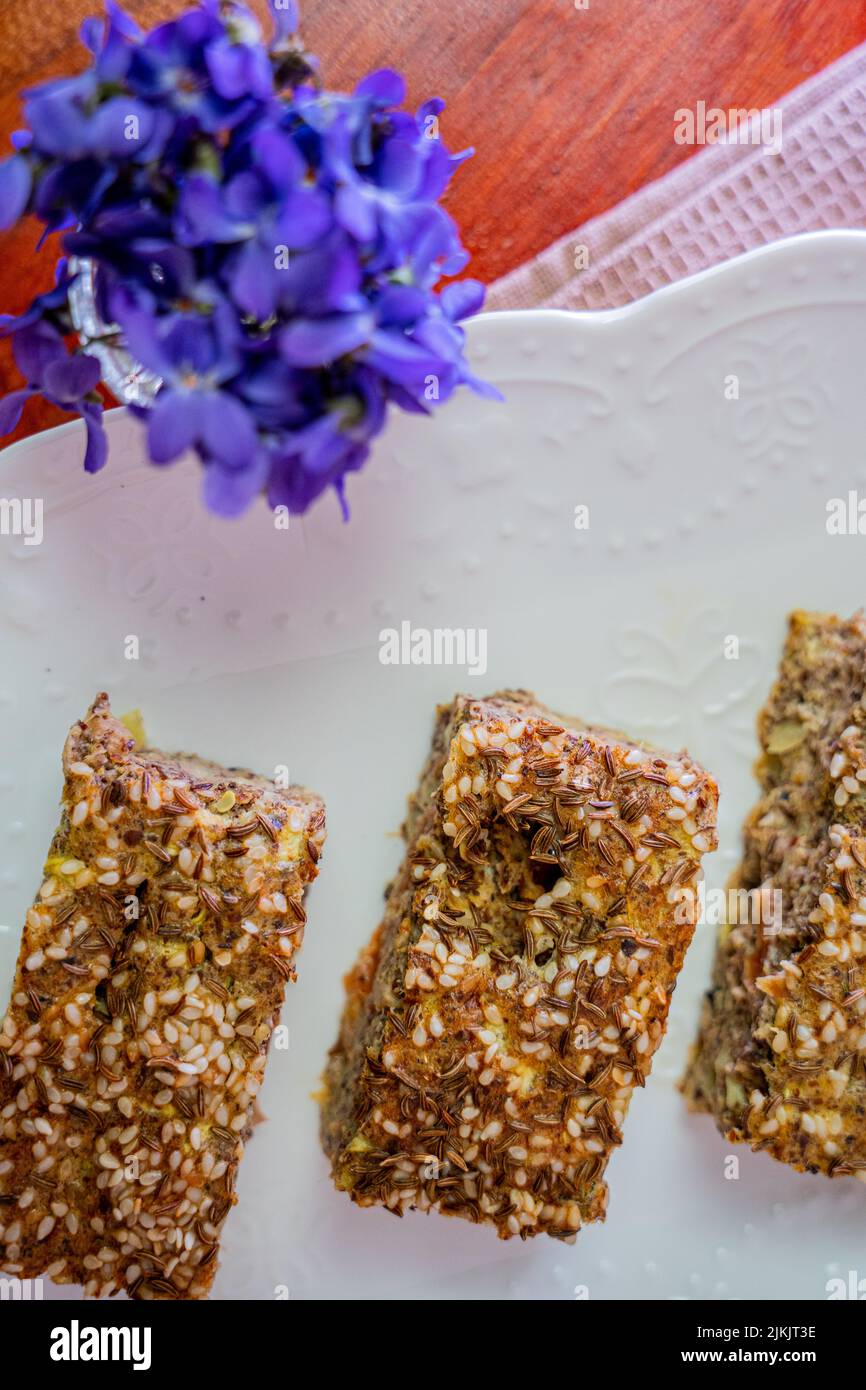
{"x":726,"y":199}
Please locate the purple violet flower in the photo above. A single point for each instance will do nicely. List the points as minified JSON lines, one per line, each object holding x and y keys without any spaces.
{"x":271,"y":251}
{"x":68,"y":380}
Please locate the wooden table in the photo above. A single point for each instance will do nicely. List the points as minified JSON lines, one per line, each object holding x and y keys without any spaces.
{"x":569,"y":109}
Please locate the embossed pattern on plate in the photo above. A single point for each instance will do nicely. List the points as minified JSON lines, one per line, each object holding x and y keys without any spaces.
{"x":259,"y":646}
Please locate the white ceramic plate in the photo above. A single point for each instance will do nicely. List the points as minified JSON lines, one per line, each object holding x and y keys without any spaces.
{"x":261,"y":647}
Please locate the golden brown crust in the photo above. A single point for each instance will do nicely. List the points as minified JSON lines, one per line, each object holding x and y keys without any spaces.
{"x":530,"y":947}
{"x":780,"y":1060}
{"x":150,"y":976}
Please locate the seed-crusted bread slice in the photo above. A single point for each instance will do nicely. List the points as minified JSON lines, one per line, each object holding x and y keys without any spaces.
{"x":513,"y":997}
{"x":780,"y":1060}
{"x":151,"y":974}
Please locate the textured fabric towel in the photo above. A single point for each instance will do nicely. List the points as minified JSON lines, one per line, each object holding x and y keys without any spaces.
{"x":725,"y":200}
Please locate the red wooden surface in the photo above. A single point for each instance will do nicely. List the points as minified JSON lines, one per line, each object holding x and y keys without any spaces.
{"x":569,"y":109}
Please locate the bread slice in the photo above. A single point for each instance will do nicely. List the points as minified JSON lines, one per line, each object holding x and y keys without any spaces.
{"x":780,"y":1060}
{"x":151,"y":974}
{"x":514,"y":994}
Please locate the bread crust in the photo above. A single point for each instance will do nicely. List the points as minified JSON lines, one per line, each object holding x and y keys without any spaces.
{"x":151,"y":974}
{"x":519,"y":984}
{"x":780,"y":1059}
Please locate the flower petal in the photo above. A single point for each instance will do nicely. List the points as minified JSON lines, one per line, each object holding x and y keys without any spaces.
{"x":15,"y":183}
{"x":173,"y":424}
{"x":238,"y":69}
{"x":120,"y":127}
{"x":68,"y":379}
{"x":36,"y":345}
{"x":11,"y":407}
{"x":227,"y":429}
{"x":401,"y":306}
{"x":96,"y":454}
{"x":316,"y":342}
{"x":403,"y":361}
{"x":356,"y":211}
{"x":399,"y":168}
{"x":229,"y":491}
{"x":202,"y":216}
{"x":462,"y":299}
{"x":253,"y":281}
{"x":278,"y":156}
{"x":383,"y":87}
{"x":304,"y":218}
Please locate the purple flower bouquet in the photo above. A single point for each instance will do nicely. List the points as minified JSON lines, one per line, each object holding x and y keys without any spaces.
{"x":264,"y":251}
